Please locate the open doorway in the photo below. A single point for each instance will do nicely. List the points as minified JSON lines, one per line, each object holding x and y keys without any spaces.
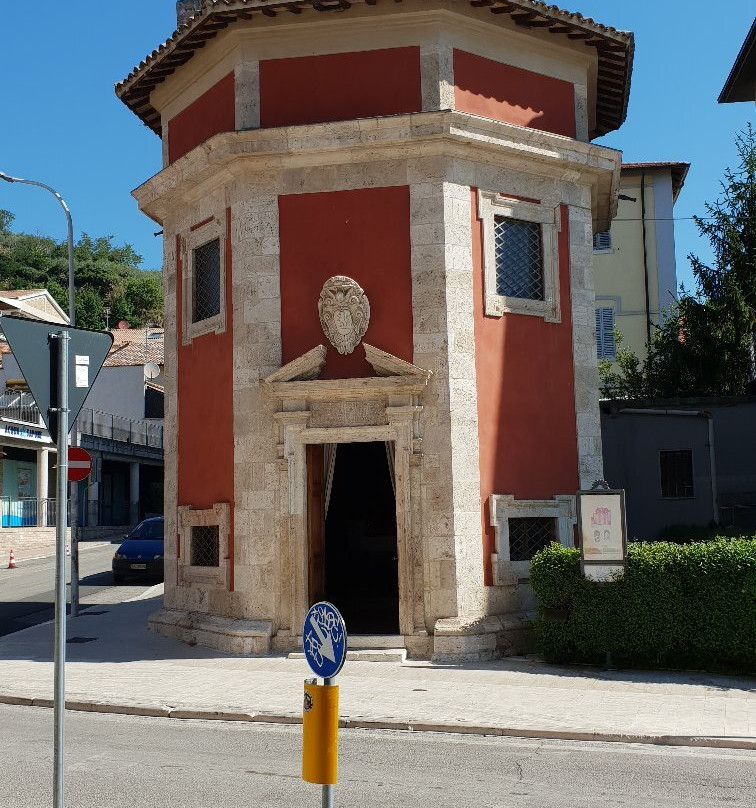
{"x":354,"y":563}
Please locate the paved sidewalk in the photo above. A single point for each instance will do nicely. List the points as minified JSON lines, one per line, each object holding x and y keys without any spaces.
{"x":128,"y":668}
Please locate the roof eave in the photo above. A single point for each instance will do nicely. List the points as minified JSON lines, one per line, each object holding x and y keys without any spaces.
{"x":615,"y":49}
{"x":740,"y":83}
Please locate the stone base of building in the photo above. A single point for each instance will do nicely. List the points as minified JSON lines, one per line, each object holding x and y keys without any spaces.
{"x":455,"y":639}
{"x":459,"y":639}
{"x":227,"y":634}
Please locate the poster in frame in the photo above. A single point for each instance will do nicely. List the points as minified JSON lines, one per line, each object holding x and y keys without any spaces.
{"x":602,"y":530}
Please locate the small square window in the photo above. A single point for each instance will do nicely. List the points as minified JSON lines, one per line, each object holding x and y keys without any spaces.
{"x":203,"y":279}
{"x":606,"y":345}
{"x":676,"y":469}
{"x":519,"y":258}
{"x":602,"y":242}
{"x":528,"y":535}
{"x":205,"y":546}
{"x":206,"y":287}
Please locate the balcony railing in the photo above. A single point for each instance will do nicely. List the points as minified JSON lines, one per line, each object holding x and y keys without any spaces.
{"x":28,"y":512}
{"x":119,"y":428}
{"x":19,"y":406}
{"x":33,"y":512}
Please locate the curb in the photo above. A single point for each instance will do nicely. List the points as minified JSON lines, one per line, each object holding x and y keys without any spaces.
{"x":88,"y":545}
{"x":399,"y":725}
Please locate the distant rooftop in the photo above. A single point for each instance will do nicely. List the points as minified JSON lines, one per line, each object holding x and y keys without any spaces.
{"x":741,"y":83}
{"x":35,"y":304}
{"x":678,"y":170}
{"x":136,"y":346}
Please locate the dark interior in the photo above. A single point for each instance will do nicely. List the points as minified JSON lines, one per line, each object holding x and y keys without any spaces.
{"x":360,"y":541}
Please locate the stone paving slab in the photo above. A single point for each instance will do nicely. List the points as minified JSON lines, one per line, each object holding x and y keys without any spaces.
{"x":128,"y":668}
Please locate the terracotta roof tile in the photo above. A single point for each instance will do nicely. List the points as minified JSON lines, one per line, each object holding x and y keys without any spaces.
{"x":127,"y":354}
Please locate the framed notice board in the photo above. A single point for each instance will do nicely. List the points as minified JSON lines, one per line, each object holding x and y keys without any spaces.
{"x":603,"y":532}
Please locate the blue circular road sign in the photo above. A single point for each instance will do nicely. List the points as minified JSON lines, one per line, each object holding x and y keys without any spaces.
{"x":324,"y":638}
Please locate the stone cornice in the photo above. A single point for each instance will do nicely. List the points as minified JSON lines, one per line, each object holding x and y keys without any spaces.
{"x":400,"y":137}
{"x":348,"y":389}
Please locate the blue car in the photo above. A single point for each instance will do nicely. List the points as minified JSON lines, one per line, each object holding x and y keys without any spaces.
{"x":141,"y":554}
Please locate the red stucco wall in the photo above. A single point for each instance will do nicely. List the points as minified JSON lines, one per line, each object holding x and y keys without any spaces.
{"x":205,"y":409}
{"x":526,"y":396}
{"x":339,"y":86}
{"x":211,"y":113}
{"x":364,"y":234}
{"x":513,"y":95}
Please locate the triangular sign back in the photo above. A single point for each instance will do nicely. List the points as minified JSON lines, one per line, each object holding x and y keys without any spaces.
{"x":36,"y":352}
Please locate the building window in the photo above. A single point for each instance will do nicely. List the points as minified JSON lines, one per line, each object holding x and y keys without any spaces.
{"x":528,"y":535}
{"x":520,"y":256}
{"x":519,"y":259}
{"x":606,"y":346}
{"x":203,"y":252}
{"x":206,"y":286}
{"x":204,"y":546}
{"x":523,"y":527}
{"x":602,"y":242}
{"x":676,"y":468}
{"x":203,"y":552}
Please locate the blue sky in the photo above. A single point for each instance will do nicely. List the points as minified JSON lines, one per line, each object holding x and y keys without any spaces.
{"x":61,"y":123}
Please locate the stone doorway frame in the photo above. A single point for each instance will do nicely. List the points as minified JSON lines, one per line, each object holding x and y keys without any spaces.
{"x":374,"y":409}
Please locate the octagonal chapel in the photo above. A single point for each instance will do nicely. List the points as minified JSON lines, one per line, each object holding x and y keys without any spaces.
{"x":380,"y":352}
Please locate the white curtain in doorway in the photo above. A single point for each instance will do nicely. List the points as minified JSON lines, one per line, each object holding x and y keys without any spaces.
{"x":329,"y":464}
{"x":391,"y":465}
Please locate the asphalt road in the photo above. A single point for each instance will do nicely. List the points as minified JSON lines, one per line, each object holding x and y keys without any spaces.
{"x":134,"y":762}
{"x":27,"y":593}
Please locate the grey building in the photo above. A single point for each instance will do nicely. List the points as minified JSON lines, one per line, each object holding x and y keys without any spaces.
{"x":121,"y":425}
{"x":682,"y":461}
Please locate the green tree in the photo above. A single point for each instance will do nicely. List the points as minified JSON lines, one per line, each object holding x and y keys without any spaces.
{"x":145,"y":296}
{"x":104,"y":275}
{"x":707,"y":344}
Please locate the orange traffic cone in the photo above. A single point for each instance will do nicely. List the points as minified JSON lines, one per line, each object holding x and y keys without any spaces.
{"x":12,"y":561}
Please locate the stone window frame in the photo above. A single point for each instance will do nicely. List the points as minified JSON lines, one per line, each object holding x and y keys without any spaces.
{"x":199,"y":235}
{"x":218,"y":515}
{"x":492,"y":204}
{"x":504,"y":507}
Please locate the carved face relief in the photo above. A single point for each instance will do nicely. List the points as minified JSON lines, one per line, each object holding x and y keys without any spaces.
{"x":344,"y":313}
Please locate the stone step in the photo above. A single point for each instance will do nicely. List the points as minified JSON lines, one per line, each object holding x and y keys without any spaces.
{"x":396,"y":655}
{"x":360,"y":641}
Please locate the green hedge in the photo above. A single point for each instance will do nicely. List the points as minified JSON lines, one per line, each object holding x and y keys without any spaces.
{"x":677,"y":606}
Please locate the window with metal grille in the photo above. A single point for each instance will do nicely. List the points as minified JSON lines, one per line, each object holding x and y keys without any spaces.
{"x":519,"y":258}
{"x":602,"y":241}
{"x":206,"y":283}
{"x":529,"y":534}
{"x":676,"y":469}
{"x":205,"y":543}
{"x":606,"y":345}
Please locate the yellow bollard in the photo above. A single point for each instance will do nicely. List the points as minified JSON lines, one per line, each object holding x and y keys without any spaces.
{"x":320,"y":726}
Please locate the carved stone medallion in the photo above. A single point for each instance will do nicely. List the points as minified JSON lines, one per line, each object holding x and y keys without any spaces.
{"x":344,"y":313}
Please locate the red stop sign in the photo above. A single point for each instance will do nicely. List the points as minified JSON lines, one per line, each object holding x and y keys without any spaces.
{"x":79,"y":464}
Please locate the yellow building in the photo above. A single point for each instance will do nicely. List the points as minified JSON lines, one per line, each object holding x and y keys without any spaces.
{"x":634,"y":261}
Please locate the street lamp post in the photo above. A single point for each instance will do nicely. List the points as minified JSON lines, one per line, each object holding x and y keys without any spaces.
{"x":71,"y":307}
{"x":60,"y":556}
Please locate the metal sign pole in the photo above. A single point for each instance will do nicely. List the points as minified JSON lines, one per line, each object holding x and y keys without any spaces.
{"x":74,"y":489}
{"x":60,"y":567}
{"x":327,"y":800}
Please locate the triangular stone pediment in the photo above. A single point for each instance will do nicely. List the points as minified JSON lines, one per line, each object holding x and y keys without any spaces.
{"x":386,"y":364}
{"x":303,"y":369}
{"x":308,"y":366}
